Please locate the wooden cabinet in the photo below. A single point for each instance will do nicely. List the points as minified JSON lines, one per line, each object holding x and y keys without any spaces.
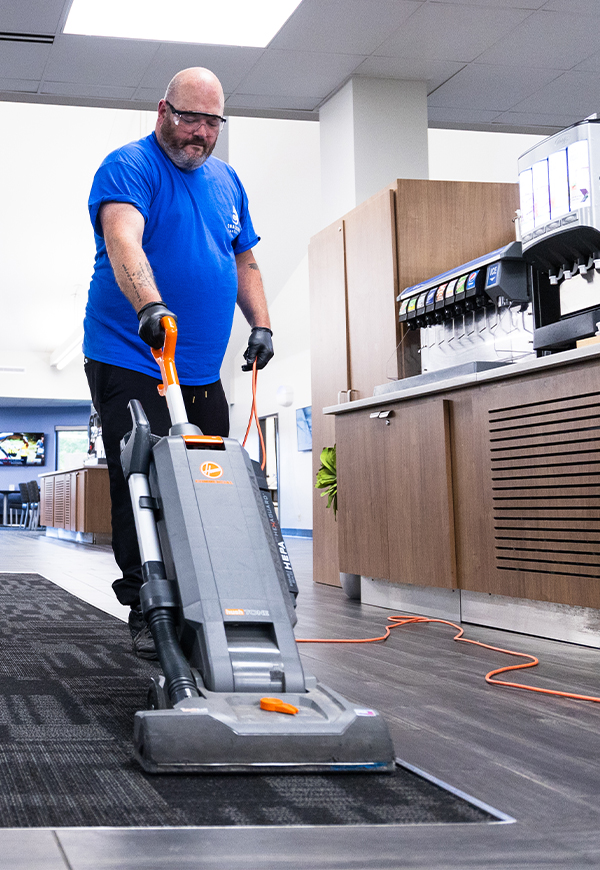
{"x":76,"y":500}
{"x":493,"y":487}
{"x":407,"y":233}
{"x":396,"y":518}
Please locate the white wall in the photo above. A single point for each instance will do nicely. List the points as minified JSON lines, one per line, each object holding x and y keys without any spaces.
{"x":278,"y":162}
{"x":46,"y":239}
{"x":466,"y":155}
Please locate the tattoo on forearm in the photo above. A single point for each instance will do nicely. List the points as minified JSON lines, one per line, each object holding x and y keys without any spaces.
{"x":143,"y":275}
{"x":253,"y":266}
{"x":129,"y":276}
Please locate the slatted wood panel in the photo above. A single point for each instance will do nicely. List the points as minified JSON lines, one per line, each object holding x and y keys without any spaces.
{"x":59,"y":502}
{"x":47,"y":501}
{"x":545,"y":461}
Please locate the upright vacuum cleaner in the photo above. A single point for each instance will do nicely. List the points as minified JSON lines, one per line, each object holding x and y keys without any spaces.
{"x":219,"y":602}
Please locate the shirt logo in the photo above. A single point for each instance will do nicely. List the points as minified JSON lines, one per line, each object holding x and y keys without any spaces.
{"x":234,"y":224}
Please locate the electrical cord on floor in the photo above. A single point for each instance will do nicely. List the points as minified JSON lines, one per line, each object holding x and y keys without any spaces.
{"x":398,"y":621}
{"x":254,"y":416}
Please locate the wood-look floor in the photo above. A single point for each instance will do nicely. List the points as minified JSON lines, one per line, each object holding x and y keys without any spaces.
{"x":534,"y":757}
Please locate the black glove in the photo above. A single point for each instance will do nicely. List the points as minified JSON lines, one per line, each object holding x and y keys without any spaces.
{"x":260,"y":348}
{"x":150,"y":329}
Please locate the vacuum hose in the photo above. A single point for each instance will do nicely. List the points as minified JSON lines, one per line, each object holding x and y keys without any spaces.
{"x":179,"y":681}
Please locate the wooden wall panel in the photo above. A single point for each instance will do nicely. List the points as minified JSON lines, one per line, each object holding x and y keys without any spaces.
{"x":371,"y":276}
{"x":329,"y":376}
{"x":362,"y":501}
{"x":439,"y":226}
{"x":97,"y":500}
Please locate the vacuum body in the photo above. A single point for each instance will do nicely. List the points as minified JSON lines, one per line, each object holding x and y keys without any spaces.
{"x":219,"y":597}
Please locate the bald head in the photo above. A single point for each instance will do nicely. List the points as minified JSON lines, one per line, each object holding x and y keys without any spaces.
{"x":196,"y":90}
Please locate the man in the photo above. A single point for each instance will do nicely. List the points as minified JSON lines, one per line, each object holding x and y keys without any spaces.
{"x":173,"y":237}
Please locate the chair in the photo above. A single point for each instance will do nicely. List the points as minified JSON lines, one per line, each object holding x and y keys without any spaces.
{"x":34,"y":504}
{"x":14,"y":505}
{"x":19,"y":513}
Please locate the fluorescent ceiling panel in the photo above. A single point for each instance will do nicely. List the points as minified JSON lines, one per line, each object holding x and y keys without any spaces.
{"x":215,"y":22}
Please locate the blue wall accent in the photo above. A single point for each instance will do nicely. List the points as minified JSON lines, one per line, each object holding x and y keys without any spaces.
{"x":24,"y":419}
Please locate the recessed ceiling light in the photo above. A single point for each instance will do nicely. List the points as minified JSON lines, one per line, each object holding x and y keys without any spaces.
{"x":232,"y":22}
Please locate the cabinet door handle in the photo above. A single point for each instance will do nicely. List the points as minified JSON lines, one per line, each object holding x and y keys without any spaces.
{"x":382,"y":415}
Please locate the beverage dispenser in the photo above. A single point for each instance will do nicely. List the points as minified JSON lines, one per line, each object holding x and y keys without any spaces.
{"x":559,"y":183}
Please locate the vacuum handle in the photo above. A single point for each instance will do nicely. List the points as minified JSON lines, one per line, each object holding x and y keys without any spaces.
{"x":170,"y":389}
{"x":165,"y":356}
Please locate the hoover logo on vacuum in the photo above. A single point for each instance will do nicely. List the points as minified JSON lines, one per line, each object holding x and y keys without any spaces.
{"x":211,"y":470}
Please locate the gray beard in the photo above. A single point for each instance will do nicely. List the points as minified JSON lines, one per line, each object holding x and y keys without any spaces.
{"x":184,"y":161}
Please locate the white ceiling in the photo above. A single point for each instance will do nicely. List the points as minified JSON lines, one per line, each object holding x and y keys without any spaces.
{"x":513,"y":65}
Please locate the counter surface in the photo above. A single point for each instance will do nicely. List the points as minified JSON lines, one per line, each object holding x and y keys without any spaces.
{"x":530,"y":365}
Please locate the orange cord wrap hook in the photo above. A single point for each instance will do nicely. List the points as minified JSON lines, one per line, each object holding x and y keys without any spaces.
{"x":254,"y":416}
{"x":397,"y":621}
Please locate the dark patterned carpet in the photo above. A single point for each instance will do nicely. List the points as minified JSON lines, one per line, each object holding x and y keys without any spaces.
{"x":69,"y":688}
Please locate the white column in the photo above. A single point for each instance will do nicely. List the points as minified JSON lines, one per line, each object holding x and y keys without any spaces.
{"x":372,"y":132}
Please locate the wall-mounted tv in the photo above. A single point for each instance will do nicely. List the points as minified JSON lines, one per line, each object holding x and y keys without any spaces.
{"x":22,"y":448}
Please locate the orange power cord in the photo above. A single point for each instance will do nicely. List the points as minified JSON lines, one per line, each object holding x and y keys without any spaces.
{"x":397,"y":621}
{"x":254,"y":416}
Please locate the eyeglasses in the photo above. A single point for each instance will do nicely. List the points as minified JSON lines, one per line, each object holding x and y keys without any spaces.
{"x":195,"y":119}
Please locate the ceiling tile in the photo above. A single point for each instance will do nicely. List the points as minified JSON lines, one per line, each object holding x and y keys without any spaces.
{"x":18,"y":86}
{"x":72,"y":89}
{"x":229,"y":64}
{"x":545,"y":39}
{"x":479,"y":86}
{"x":97,"y":60}
{"x":149,"y":95}
{"x":408,"y":69}
{"x":444,"y":31}
{"x":30,"y":16}
{"x":574,"y":92}
{"x":554,"y":121}
{"x":352,"y":26}
{"x":258,"y":101}
{"x":296,"y":73}
{"x":590,"y":64}
{"x":22,"y":61}
{"x":574,"y":7}
{"x":497,"y":4}
{"x":442,"y":115}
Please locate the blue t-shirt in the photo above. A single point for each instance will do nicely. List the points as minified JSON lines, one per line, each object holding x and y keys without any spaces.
{"x":195,"y":224}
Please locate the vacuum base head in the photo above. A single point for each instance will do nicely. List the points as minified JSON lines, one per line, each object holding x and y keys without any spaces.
{"x":230,"y":733}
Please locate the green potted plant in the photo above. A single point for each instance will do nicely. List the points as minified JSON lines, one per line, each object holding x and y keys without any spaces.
{"x":327,"y":478}
{"x":327,"y":481}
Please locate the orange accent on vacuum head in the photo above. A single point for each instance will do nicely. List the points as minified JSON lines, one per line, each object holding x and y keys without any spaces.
{"x":165,"y":357}
{"x":276,"y":705}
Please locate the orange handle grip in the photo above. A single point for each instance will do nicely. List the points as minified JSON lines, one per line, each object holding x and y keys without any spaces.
{"x":165,"y":357}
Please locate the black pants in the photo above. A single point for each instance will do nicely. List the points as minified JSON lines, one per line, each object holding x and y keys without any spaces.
{"x":112,"y":388}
